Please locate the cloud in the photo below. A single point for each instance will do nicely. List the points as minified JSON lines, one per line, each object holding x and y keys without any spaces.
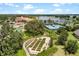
{"x":1,"y":3}
{"x":11,"y":4}
{"x":56,"y":5}
{"x":56,"y":11}
{"x":39,"y":11}
{"x":61,"y":11}
{"x":59,"y":4}
{"x":67,"y":9}
{"x":16,"y":5}
{"x":27,"y":7}
{"x":0,"y":8}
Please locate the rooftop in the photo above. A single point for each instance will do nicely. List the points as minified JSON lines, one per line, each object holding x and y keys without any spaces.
{"x":77,"y":32}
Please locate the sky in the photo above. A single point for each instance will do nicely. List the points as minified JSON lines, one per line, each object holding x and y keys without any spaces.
{"x":39,"y":8}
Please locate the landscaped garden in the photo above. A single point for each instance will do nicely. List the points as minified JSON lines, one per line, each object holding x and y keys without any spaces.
{"x":64,"y":38}
{"x":59,"y":38}
{"x":35,"y":40}
{"x":37,"y":45}
{"x":40,"y":45}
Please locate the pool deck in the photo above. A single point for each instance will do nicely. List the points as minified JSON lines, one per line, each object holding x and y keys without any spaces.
{"x":53,"y":27}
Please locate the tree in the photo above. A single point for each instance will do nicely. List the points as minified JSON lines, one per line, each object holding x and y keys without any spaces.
{"x":34,"y":28}
{"x":71,"y":46}
{"x":51,"y":34}
{"x":60,"y":30}
{"x":68,"y":28}
{"x":3,"y":17}
{"x":50,"y":21}
{"x":10,"y":41}
{"x":62,"y":38}
{"x":75,"y":27}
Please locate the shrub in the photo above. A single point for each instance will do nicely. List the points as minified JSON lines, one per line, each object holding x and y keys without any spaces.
{"x":71,"y":46}
{"x":68,"y":28}
{"x":60,"y":30}
{"x":62,"y":38}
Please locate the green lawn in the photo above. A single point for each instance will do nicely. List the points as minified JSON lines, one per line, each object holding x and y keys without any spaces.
{"x":48,"y":52}
{"x":70,"y":36}
{"x":21,"y":52}
{"x":25,"y":36}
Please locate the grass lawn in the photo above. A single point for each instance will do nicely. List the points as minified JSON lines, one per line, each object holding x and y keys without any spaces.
{"x":73,"y":38}
{"x":70,"y":36}
{"x":48,"y":52}
{"x":21,"y":52}
{"x":26,"y":36}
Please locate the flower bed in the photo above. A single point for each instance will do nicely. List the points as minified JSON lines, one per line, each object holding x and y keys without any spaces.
{"x":32,"y":43}
{"x":28,"y":42}
{"x":41,"y":44}
{"x":36,"y":44}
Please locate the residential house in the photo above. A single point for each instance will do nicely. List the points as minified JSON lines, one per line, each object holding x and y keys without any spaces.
{"x":45,"y":19}
{"x":20,"y":22}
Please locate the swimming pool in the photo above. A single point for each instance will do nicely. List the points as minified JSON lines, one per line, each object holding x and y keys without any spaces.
{"x":52,"y":27}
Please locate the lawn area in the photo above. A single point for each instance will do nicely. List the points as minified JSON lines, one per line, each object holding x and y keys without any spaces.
{"x":60,"y":51}
{"x":26,"y":36}
{"x":48,"y":52}
{"x":70,"y":36}
{"x":21,"y":52}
